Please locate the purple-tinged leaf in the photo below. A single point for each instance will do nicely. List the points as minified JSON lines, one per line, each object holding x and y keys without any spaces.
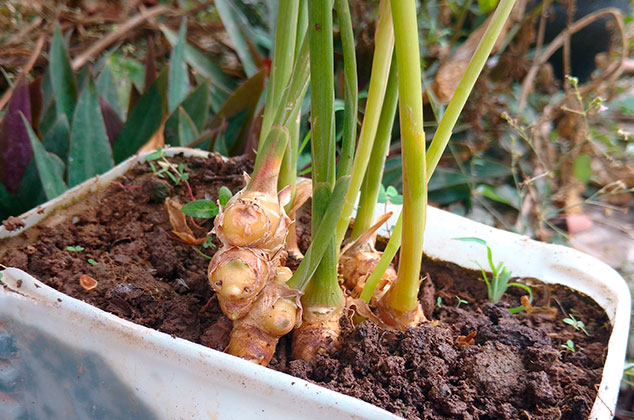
{"x":150,"y":65}
{"x":37,"y":100}
{"x":110,"y":119}
{"x":15,"y":146}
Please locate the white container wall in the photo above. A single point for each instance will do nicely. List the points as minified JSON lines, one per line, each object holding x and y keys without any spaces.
{"x":62,"y":358}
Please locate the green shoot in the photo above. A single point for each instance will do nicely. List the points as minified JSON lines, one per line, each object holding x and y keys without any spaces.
{"x":461,"y":301}
{"x":75,"y":248}
{"x":372,"y":189}
{"x":403,"y":295}
{"x":569,"y":346}
{"x":208,"y":242}
{"x":351,"y":88}
{"x":91,"y":261}
{"x":439,"y":302}
{"x":381,"y":63}
{"x":500,"y":276}
{"x":282,"y":64}
{"x":576,"y":324}
{"x":389,"y":195}
{"x":447,"y":124}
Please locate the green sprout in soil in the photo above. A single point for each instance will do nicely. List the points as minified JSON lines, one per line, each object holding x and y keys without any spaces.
{"x":202,"y":209}
{"x":75,"y":248}
{"x":461,"y":301}
{"x":500,"y":276}
{"x":439,"y":302}
{"x":576,"y":324}
{"x":176,"y":173}
{"x":91,"y":261}
{"x":569,"y":346}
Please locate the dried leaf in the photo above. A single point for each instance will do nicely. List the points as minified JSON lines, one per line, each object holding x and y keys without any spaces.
{"x":178,"y":220}
{"x":87,"y":282}
{"x":466,"y":341}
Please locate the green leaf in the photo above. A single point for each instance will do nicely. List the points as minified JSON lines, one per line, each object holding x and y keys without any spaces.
{"x":502,"y":194}
{"x":201,"y":63}
{"x":91,"y":261}
{"x":145,"y":118}
{"x":224,"y":194}
{"x":243,"y":100}
{"x":90,"y":152}
{"x":107,"y":87}
{"x":241,"y":45}
{"x":582,"y":168}
{"x":62,"y":78}
{"x":57,"y":140}
{"x":75,"y":248}
{"x":187,"y":131}
{"x":178,"y":84}
{"x":49,"y":166}
{"x":197,"y":107}
{"x":204,"y":209}
{"x":471,"y":239}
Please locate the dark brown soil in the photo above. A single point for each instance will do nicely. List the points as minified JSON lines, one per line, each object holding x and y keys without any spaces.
{"x":514,"y":369}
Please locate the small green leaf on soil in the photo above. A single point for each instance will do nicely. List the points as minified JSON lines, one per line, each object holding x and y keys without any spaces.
{"x":204,"y":209}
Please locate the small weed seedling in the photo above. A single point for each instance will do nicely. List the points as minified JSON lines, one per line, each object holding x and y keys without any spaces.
{"x":500,"y":276}
{"x":460,"y":301}
{"x":75,"y":248}
{"x":207,"y":209}
{"x":389,"y":194}
{"x":224,"y":194}
{"x":176,"y":173}
{"x":91,"y":261}
{"x":576,"y":324}
{"x":439,"y":302}
{"x":569,"y":346}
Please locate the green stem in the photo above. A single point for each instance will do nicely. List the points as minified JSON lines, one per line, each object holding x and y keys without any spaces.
{"x":324,"y":286}
{"x":351,"y":88}
{"x":384,"y":45}
{"x":404,"y":293}
{"x":372,"y":181}
{"x":447,"y":124}
{"x":320,"y":243}
{"x":283,"y":54}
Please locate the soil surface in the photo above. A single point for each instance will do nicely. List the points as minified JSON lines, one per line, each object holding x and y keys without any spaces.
{"x":513,"y":368}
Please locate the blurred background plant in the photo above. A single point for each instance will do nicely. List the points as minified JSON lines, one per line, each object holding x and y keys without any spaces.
{"x":85,"y":84}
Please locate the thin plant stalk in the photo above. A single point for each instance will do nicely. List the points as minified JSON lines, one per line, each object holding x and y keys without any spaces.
{"x":446,"y":126}
{"x":372,"y":180}
{"x":403,"y":295}
{"x":283,"y":55}
{"x":324,"y":285}
{"x":384,"y":46}
{"x":351,"y":93}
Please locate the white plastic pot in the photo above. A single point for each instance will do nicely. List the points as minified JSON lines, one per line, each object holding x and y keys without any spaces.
{"x":63,"y":358}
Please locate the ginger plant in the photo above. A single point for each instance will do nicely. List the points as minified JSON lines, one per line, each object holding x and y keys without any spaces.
{"x":262,"y":297}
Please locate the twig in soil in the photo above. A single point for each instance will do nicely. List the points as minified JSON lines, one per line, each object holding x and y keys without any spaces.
{"x":128,"y":187}
{"x":121,"y":31}
{"x":596,"y":388}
